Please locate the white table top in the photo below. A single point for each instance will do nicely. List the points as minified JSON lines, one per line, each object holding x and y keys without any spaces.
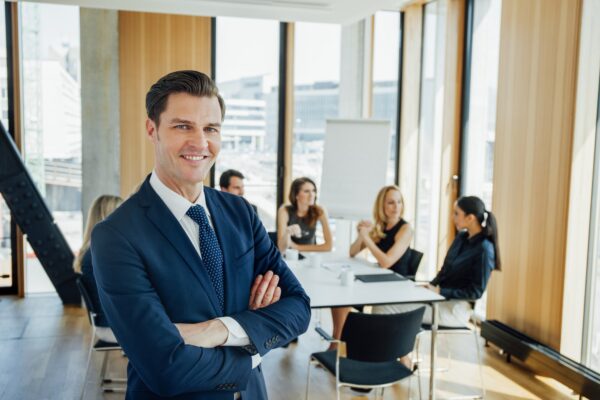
{"x":323,"y":285}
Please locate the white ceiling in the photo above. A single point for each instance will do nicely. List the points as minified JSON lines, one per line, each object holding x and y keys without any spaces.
{"x":332,"y":11}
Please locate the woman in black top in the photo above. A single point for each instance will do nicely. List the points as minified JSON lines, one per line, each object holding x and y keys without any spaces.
{"x":388,"y":239}
{"x":297,"y":222}
{"x":100,"y":209}
{"x":468,"y":264}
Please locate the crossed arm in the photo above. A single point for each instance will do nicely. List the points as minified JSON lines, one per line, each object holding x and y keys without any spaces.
{"x":213,"y":333}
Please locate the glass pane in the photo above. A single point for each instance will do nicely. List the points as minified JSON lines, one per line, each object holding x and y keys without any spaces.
{"x":6,"y":279}
{"x":247,"y":72}
{"x":591,"y":348}
{"x":316,"y":94}
{"x":480,"y":129}
{"x":52,"y":120}
{"x":591,"y":356}
{"x":385,"y":76}
{"x":430,"y":135}
{"x":3,"y":72}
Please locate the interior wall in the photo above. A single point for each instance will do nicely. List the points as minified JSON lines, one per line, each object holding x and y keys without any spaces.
{"x":150,"y":46}
{"x":534,"y":130}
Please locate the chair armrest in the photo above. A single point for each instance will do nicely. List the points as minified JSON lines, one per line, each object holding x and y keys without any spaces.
{"x":325,"y":335}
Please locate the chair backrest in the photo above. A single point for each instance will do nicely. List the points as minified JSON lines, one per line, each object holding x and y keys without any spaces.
{"x":381,"y":337}
{"x":87,"y":300}
{"x":413,"y":262}
{"x":273,"y":237}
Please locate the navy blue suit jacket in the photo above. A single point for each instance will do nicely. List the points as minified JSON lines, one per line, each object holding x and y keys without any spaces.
{"x":150,"y":276}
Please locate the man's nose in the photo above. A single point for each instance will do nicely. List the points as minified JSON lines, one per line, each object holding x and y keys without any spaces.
{"x":199,"y":140}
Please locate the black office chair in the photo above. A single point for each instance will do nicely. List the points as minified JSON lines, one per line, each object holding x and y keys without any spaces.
{"x":374,"y":343}
{"x":98,"y":345}
{"x":413,"y":263}
{"x":408,"y":264}
{"x":273,"y":237}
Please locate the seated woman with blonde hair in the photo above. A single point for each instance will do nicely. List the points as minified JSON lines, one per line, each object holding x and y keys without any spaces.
{"x":297,"y":222}
{"x":388,"y":240}
{"x":101,"y":208}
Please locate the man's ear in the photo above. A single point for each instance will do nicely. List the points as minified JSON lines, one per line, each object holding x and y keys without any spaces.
{"x":151,"y":130}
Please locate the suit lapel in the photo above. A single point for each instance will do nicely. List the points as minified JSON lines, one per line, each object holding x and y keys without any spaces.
{"x":223,"y":228}
{"x":162,"y":218}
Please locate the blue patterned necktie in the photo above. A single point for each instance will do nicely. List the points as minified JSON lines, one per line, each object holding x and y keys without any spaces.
{"x":212,"y":257}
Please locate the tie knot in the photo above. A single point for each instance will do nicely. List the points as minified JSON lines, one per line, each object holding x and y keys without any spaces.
{"x":198,"y":214}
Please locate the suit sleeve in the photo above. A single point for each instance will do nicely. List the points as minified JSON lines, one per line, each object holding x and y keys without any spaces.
{"x":476,"y":283}
{"x":151,"y":341}
{"x":279,"y":323}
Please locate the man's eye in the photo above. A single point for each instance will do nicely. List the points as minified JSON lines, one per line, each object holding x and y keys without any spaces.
{"x":184,"y":127}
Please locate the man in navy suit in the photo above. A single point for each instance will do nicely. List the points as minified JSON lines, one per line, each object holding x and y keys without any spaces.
{"x":192,"y":286}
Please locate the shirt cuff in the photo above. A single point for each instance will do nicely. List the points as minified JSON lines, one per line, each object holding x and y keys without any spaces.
{"x":256,"y":360}
{"x":237,"y":336}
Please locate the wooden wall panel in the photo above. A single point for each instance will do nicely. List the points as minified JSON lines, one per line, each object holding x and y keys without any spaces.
{"x":150,"y":46}
{"x":409,"y":124}
{"x":289,"y":112}
{"x":534,"y":127}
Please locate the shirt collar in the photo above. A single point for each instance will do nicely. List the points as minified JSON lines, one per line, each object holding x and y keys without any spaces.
{"x":177,"y":204}
{"x":475,"y":238}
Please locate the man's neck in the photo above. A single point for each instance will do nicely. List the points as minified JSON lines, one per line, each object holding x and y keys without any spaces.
{"x":190,"y":192}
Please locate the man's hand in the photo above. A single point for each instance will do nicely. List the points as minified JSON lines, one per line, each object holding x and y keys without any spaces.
{"x":205,"y":334}
{"x":264,"y":291}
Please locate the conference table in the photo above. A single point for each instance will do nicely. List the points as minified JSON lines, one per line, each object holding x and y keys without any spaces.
{"x":320,"y":276}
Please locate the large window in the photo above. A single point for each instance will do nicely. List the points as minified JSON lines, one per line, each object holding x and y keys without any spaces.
{"x":591,"y":348}
{"x":316,"y":93}
{"x":6,"y":278}
{"x":385,"y":78}
{"x":479,"y":120}
{"x":52,"y":120}
{"x":247,"y":75}
{"x":430,"y":135}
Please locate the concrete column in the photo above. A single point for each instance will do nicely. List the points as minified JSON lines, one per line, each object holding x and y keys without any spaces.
{"x":99,"y":104}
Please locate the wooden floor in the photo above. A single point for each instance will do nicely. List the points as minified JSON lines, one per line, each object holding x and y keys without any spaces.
{"x":43,"y":352}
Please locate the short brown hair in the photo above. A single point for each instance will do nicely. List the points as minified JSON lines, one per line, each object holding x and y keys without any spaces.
{"x":192,"y":82}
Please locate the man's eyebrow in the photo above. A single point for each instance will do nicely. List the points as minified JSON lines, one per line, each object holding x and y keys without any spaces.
{"x":181,"y":121}
{"x":214,"y":124}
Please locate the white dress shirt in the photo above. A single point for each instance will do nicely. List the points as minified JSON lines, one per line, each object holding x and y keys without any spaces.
{"x":179,"y":206}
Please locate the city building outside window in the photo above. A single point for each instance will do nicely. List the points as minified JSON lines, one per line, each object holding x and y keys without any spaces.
{"x":247,"y":73}
{"x":52,"y":120}
{"x":386,"y":53}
